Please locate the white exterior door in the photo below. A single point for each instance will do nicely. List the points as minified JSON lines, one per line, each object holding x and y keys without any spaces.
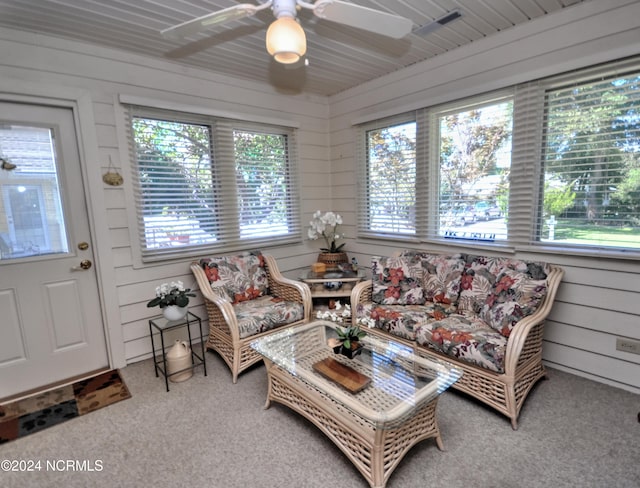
{"x":51,"y":324}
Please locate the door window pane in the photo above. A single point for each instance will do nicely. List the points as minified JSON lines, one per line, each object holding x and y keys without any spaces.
{"x":31,"y":217}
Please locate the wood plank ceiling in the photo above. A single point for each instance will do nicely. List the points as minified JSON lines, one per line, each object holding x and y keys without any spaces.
{"x":339,"y":57}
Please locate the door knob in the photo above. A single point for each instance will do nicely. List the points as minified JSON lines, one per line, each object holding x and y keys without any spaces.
{"x":84,"y":264}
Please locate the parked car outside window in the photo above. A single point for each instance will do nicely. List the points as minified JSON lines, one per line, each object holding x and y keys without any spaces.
{"x":486,"y":211}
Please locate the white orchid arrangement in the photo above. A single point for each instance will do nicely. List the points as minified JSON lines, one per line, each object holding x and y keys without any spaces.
{"x":326,"y":226}
{"x":367,"y":321}
{"x":173,"y":293}
{"x":338,"y":315}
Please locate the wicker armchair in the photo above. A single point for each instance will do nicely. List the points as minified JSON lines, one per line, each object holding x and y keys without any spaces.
{"x":234,"y":322}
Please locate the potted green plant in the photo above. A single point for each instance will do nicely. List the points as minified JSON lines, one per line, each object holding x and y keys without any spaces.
{"x":348,"y":341}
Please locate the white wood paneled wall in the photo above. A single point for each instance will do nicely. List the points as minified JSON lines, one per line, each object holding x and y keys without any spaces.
{"x":52,"y":65}
{"x":599,"y":298}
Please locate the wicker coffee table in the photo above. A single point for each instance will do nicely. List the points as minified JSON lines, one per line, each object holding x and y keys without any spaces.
{"x":374,"y":408}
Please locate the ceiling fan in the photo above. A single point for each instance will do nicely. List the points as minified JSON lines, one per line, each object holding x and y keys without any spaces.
{"x":286,"y":40}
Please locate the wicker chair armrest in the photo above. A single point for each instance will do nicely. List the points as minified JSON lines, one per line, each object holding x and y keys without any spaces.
{"x":525,"y":339}
{"x":361,"y":293}
{"x":290,"y":290}
{"x":220,"y":310}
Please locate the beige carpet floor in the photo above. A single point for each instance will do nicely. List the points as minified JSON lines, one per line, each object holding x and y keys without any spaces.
{"x":208,"y":432}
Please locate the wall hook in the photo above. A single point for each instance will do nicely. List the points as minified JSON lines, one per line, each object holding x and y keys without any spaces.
{"x":6,"y":165}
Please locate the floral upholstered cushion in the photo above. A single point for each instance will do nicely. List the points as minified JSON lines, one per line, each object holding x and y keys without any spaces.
{"x":465,"y":337}
{"x":514,"y":295}
{"x":396,"y":282}
{"x":266,"y":313}
{"x":479,"y":276}
{"x":441,"y":275}
{"x":237,"y":278}
{"x":401,"y":320}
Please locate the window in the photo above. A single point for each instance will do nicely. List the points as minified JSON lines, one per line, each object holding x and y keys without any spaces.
{"x":389,"y":204}
{"x":547,"y":163}
{"x":212,"y":183}
{"x":469,"y":184}
{"x":591,"y":159}
{"x":474,"y":153}
{"x":32,"y":220}
{"x":262,"y":182}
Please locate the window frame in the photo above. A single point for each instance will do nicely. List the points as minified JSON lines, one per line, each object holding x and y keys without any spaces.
{"x":434,"y":114}
{"x":223,"y":161}
{"x":363,"y":215}
{"x":526,"y":173}
{"x":592,"y":75}
{"x":363,"y":188}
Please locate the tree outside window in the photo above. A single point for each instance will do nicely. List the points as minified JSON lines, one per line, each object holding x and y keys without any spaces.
{"x":475,"y":160}
{"x":591,"y":157}
{"x":262,"y":183}
{"x":391,"y":178}
{"x":186,"y":197}
{"x":176,"y":184}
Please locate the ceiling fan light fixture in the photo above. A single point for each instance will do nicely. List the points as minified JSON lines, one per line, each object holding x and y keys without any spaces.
{"x":286,"y":40}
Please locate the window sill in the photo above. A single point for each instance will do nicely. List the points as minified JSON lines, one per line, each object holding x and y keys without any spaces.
{"x":630,"y":255}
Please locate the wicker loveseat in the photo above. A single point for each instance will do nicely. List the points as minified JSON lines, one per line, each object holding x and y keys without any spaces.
{"x":484,"y":314}
{"x":246,"y":298}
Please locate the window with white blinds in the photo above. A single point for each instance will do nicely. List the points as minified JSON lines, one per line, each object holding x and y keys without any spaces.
{"x":210,"y":183}
{"x":474,"y":161}
{"x":552,"y":162}
{"x":440,"y":173}
{"x":591,"y":162}
{"x":388,"y":200}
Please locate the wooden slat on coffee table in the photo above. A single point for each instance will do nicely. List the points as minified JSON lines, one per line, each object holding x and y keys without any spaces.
{"x":344,"y":375}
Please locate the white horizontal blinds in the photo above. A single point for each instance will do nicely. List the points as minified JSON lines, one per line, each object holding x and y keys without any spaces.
{"x":472,"y":151}
{"x":591,"y":160}
{"x":197,"y":189}
{"x":261,"y":183}
{"x":387,"y":195}
{"x":525,"y":175}
{"x":426,"y":179}
{"x":174,"y":192}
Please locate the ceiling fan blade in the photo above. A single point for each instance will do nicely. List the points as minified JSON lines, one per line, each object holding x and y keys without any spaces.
{"x":195,"y":26}
{"x":363,"y":18}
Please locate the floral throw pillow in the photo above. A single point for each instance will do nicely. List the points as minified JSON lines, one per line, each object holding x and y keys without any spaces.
{"x":514,"y":296}
{"x":237,"y":278}
{"x":479,"y":276}
{"x":441,"y":275}
{"x":395,"y":282}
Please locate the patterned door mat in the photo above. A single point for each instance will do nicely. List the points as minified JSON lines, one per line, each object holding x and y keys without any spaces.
{"x":43,"y":410}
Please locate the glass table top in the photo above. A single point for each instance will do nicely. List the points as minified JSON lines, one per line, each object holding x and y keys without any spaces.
{"x":333,"y":275}
{"x":400,"y":381}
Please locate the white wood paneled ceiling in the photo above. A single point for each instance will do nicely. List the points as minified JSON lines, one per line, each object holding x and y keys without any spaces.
{"x":339,"y":57}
